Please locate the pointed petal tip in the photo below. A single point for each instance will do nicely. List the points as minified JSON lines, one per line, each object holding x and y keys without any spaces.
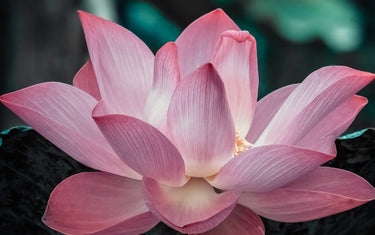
{"x":209,"y":66}
{"x":44,"y":218}
{"x":3,"y":98}
{"x":83,"y":13}
{"x":362,"y":101}
{"x":368,"y":75}
{"x":11,"y":97}
{"x":169,"y":46}
{"x":218,"y":12}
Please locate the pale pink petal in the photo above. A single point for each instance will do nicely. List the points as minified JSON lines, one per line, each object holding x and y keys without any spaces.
{"x":85,"y":79}
{"x":123,"y":64}
{"x":241,"y":221}
{"x":93,"y":201}
{"x":62,"y":114}
{"x":197,"y":42}
{"x":200,"y":123}
{"x":136,"y":225}
{"x":266,"y":168}
{"x":192,"y":208}
{"x":142,"y":147}
{"x":265,"y":109}
{"x":322,"y":137}
{"x":317,"y":96}
{"x":166,"y":78}
{"x":236,"y":62}
{"x":322,"y":192}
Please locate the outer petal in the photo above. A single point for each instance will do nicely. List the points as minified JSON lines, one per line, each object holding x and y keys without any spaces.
{"x":322,"y":192}
{"x":322,"y":137}
{"x":142,"y":147}
{"x":197,"y":42}
{"x":62,"y":114}
{"x":85,"y":79}
{"x":266,"y":168}
{"x":136,"y":225}
{"x":236,"y":62}
{"x":123,"y":64}
{"x":200,"y":123}
{"x":241,"y":221}
{"x":193,"y":208}
{"x":166,"y":78}
{"x":265,"y":109}
{"x":317,"y":96}
{"x":90,"y":202}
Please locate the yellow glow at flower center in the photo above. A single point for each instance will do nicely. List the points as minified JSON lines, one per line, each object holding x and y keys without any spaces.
{"x":241,"y":145}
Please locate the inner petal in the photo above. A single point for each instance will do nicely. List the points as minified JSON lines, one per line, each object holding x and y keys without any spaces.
{"x":194,"y":202}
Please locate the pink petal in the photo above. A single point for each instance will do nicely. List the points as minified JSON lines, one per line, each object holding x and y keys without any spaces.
{"x":85,"y":79}
{"x":136,"y":225}
{"x":197,"y":42}
{"x":142,"y":147}
{"x":241,"y":221}
{"x":236,"y":62}
{"x":318,"y":95}
{"x":123,"y":64}
{"x":200,"y":123}
{"x":322,"y":192}
{"x":93,"y":201}
{"x":166,"y":78}
{"x":62,"y":114}
{"x":322,"y":137}
{"x":265,"y":109}
{"x":192,"y":208}
{"x":266,"y":168}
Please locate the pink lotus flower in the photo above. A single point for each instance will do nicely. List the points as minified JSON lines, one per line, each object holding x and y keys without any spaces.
{"x":180,"y":138}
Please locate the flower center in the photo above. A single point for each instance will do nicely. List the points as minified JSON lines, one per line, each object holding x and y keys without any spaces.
{"x":241,"y":145}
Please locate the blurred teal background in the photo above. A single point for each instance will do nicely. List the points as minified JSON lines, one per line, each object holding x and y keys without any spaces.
{"x":42,"y":40}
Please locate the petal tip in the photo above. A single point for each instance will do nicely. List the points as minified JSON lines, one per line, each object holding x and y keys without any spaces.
{"x":218,"y":11}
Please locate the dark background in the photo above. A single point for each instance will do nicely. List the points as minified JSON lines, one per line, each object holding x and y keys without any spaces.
{"x":42,"y":40}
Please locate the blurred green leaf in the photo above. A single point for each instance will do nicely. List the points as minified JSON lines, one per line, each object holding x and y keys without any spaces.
{"x":336,"y":22}
{"x":149,"y":24}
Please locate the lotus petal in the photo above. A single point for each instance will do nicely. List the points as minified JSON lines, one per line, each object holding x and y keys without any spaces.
{"x":200,"y":123}
{"x":197,"y":42}
{"x":166,"y":78}
{"x":241,"y":221}
{"x":193,"y":208}
{"x":62,"y":114}
{"x":85,"y":79}
{"x":266,"y":168}
{"x":322,"y":137}
{"x":317,"y":96}
{"x":236,"y":62}
{"x":265,"y":109}
{"x":93,"y":201}
{"x":142,"y":147}
{"x":322,"y":192}
{"x":123,"y":64}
